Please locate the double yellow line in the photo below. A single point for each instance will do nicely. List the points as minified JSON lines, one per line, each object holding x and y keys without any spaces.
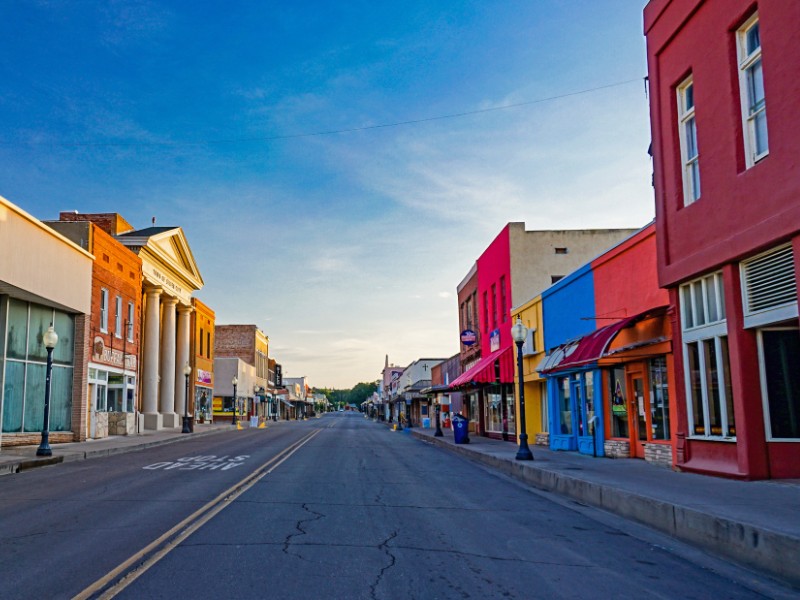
{"x":158,"y":549}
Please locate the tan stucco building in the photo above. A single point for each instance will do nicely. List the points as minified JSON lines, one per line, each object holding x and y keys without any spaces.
{"x":44,"y":279}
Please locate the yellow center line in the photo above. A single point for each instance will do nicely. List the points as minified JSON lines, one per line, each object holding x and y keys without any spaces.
{"x":159,"y":548}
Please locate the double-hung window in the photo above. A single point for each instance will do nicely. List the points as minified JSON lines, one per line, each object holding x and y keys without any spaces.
{"x":688,"y":138}
{"x":104,"y":310}
{"x":118,"y":317}
{"x":751,"y":88}
{"x":129,"y":323}
{"x":705,"y":355}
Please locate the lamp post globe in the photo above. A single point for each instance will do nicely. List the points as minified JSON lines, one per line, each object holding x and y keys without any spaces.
{"x":518,"y":333}
{"x":187,"y":370}
{"x":235,"y":382}
{"x":50,"y":339}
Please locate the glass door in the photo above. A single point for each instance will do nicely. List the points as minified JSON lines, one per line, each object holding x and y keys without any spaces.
{"x":639,"y":413}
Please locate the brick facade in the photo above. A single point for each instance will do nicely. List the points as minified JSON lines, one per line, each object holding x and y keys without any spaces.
{"x":111,"y":223}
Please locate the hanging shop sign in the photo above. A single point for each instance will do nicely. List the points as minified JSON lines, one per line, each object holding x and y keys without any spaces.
{"x":468,"y":337}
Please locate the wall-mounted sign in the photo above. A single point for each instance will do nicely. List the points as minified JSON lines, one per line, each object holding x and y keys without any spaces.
{"x":468,"y":337}
{"x":203,"y":376}
{"x":494,"y":341}
{"x":110,"y":356}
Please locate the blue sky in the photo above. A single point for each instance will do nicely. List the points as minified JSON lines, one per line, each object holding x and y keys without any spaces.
{"x":343,"y":247}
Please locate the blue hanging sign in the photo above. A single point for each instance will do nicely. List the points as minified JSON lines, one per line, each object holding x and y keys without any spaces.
{"x":468,"y":337}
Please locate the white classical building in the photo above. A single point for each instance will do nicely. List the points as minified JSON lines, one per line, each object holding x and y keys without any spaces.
{"x":170,"y":278}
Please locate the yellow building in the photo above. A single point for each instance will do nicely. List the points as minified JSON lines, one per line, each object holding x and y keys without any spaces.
{"x":262,"y":373}
{"x":535,"y":387}
{"x":201,"y":389}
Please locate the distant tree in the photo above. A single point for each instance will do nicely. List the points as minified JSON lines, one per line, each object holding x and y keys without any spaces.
{"x":355,"y":395}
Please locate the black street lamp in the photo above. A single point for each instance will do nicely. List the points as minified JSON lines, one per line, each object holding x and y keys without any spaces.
{"x":235,"y":382}
{"x":438,"y":408}
{"x":50,"y":341}
{"x":519,"y":332}
{"x":187,"y":370}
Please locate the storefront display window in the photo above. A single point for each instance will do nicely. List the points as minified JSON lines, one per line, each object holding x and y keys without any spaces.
{"x":659,"y":399}
{"x":565,"y":406}
{"x":494,"y":412}
{"x":780,"y":352}
{"x":619,"y":404}
{"x":589,"y":383}
{"x":25,"y":369}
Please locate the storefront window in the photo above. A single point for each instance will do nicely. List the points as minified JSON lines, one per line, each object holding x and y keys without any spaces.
{"x":565,"y":407}
{"x":619,"y":404}
{"x":589,"y":383}
{"x":25,"y":369}
{"x":780,"y":350}
{"x":494,"y":410}
{"x":659,"y":399}
{"x":511,"y":411}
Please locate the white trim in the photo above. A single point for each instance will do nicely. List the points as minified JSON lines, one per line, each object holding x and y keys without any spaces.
{"x":763,"y":384}
{"x":104,"y":310}
{"x":118,"y":317}
{"x":772,"y":315}
{"x":129,"y":322}
{"x":687,"y":118}
{"x":746,"y":62}
{"x":775,"y":314}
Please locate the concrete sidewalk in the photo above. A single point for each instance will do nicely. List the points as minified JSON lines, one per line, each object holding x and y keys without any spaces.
{"x":753,"y":523}
{"x":21,"y":458}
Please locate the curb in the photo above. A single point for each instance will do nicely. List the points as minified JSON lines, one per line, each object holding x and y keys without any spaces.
{"x":756,"y":547}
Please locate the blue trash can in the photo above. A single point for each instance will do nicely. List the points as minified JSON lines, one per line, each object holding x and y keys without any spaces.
{"x":461,"y":429}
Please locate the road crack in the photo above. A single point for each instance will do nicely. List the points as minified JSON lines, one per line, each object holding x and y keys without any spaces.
{"x":384,"y":545}
{"x":300,"y":530}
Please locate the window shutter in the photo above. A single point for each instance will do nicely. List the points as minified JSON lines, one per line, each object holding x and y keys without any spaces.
{"x":769,"y":281}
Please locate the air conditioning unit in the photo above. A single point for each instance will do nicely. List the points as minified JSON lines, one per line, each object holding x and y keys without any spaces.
{"x":529,"y":347}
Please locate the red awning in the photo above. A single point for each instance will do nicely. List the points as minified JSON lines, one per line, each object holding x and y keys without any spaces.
{"x":590,"y":347}
{"x":484,"y":372}
{"x":587,"y":349}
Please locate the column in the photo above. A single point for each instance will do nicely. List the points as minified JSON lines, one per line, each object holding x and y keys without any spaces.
{"x":167,"y":387}
{"x":150,"y":352}
{"x":184,"y":335}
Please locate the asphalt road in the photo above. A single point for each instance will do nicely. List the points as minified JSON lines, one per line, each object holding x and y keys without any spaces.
{"x":356,"y":511}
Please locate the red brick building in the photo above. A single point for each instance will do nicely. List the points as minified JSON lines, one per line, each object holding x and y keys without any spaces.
{"x":114,"y":329}
{"x":725,"y":100}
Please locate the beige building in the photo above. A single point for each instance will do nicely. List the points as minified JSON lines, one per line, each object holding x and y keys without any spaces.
{"x":170,"y":278}
{"x":44,"y":279}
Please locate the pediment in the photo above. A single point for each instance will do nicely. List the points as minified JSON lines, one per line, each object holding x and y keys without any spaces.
{"x":172,"y":248}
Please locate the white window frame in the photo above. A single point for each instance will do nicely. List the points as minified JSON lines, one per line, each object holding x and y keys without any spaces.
{"x":118,"y":317}
{"x":719,"y":303}
{"x":762,"y":369}
{"x":749,"y":117}
{"x":686,"y":118}
{"x":697,"y":334}
{"x":773,"y":314}
{"x":104,"y":310}
{"x":129,"y":324}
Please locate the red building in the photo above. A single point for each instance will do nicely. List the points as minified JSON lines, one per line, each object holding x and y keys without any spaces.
{"x":637,"y":379}
{"x":725,"y":100}
{"x":113,"y":359}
